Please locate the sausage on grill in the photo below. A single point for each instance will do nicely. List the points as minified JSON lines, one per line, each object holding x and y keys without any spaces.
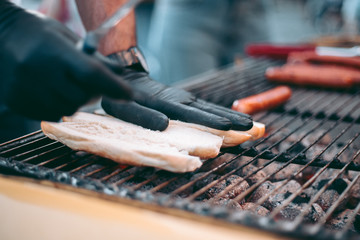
{"x":312,"y":57}
{"x":263,"y":101}
{"x":328,"y":76}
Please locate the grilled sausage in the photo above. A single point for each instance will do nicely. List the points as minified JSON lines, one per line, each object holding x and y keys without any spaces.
{"x":263,"y":101}
{"x":314,"y":75}
{"x":312,"y":57}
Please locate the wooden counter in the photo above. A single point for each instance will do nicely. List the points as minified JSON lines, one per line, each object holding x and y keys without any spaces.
{"x":34,"y":211}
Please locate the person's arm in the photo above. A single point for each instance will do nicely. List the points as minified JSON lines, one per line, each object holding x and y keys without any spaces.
{"x":154,"y":103}
{"x":42,"y":74}
{"x":94,"y":12}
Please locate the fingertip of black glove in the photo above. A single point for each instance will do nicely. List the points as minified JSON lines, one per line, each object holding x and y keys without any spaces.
{"x":223,"y":124}
{"x":159,"y":124}
{"x":242,"y":125}
{"x":136,"y":114}
{"x":239,"y":121}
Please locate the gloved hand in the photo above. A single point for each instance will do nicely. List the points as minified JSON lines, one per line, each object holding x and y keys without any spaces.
{"x":154,"y":103}
{"x":42,"y":75}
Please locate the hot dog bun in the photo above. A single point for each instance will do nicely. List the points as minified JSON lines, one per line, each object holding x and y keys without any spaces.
{"x":178,"y":149}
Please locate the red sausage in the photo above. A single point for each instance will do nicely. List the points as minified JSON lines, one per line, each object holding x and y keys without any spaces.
{"x":314,"y":75}
{"x":263,"y":101}
{"x":312,"y":57}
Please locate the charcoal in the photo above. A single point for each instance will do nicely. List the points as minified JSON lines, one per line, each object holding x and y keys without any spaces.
{"x":290,"y":212}
{"x":357,"y":160}
{"x":314,"y":152}
{"x":309,"y":192}
{"x":254,"y":208}
{"x":229,"y":203}
{"x":325,"y":177}
{"x":351,"y":175}
{"x":276,"y":200}
{"x":287,"y":172}
{"x":279,"y":135}
{"x":357,"y":223}
{"x":328,"y":198}
{"x":271,"y":168}
{"x":145,"y":187}
{"x":202,"y":182}
{"x":326,"y":139}
{"x":327,"y":155}
{"x":354,"y":196}
{"x":301,"y":198}
{"x":211,"y":164}
{"x":314,"y":136}
{"x":331,"y":152}
{"x":331,"y":194}
{"x":306,"y":174}
{"x":314,"y":214}
{"x":220,"y":186}
{"x":292,"y":186}
{"x":285,"y":147}
{"x":339,"y":185}
{"x":263,"y":190}
{"x":233,"y":180}
{"x":289,"y":147}
{"x":248,"y":171}
{"x":173,"y":185}
{"x":338,"y":222}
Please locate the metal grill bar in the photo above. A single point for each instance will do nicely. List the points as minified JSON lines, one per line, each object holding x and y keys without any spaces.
{"x":66,"y":154}
{"x":229,"y":83}
{"x":308,"y":183}
{"x":262,"y":200}
{"x":9,"y":151}
{"x":96,"y":171}
{"x":162,"y":185}
{"x":138,"y":172}
{"x":152,"y":179}
{"x":23,"y":140}
{"x":229,"y":72}
{"x":117,"y":170}
{"x":333,"y":207}
{"x":317,"y":227}
{"x":62,"y":166}
{"x":301,"y":216}
{"x":60,"y":148}
{"x":234,"y":170}
{"x":344,"y":232}
{"x":226,"y":163}
{"x":226,"y":190}
{"x":95,"y":160}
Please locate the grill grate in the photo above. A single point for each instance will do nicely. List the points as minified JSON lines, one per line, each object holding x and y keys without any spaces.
{"x":310,"y":156}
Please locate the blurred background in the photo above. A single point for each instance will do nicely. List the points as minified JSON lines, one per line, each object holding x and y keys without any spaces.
{"x":183,"y":38}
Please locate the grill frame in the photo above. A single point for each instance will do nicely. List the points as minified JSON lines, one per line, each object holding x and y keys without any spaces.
{"x":24,"y":164}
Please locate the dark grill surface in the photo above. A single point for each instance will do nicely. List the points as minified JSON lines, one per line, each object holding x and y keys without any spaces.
{"x":301,"y":179}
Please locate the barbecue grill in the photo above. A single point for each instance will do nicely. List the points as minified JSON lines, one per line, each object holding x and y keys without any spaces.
{"x":300,"y":180}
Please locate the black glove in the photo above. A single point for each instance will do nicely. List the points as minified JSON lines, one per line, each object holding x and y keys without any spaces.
{"x":42,"y":75}
{"x":154,"y":103}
